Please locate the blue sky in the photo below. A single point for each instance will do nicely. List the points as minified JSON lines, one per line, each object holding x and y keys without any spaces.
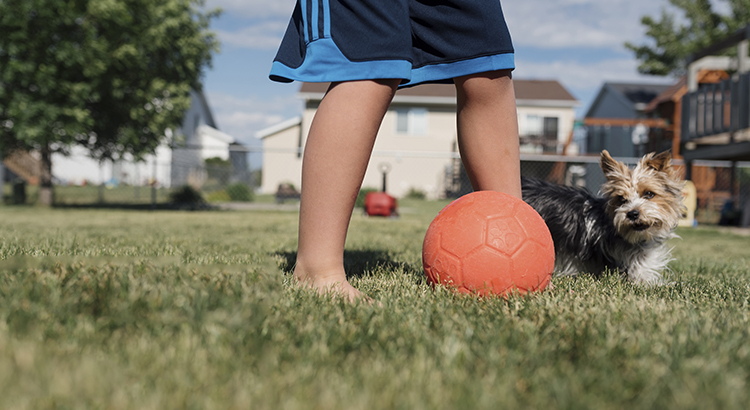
{"x":577,"y":42}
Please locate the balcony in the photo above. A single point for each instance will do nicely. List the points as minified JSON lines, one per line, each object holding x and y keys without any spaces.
{"x":717,"y":114}
{"x":716,"y":117}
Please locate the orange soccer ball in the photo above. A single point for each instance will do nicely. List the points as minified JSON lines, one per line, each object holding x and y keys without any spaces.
{"x":489,"y":243}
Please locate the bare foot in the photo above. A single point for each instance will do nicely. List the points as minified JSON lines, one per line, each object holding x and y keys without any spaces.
{"x":330,"y":285}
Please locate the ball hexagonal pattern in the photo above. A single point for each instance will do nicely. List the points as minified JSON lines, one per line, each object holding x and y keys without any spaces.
{"x":489,"y":243}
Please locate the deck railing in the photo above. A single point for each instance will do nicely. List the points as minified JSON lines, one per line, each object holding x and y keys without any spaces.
{"x":714,"y":109}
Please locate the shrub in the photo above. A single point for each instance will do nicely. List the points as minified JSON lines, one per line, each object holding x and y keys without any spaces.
{"x":361,"y":196}
{"x":240,"y":192}
{"x":218,"y":196}
{"x":416,"y":193}
{"x":186,"y":195}
{"x":218,"y":169}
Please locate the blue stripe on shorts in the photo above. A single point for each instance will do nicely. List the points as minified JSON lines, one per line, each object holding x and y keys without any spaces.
{"x":323,"y":60}
{"x":441,"y":72}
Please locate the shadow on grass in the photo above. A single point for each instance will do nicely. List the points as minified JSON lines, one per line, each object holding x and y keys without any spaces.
{"x":166,"y":206}
{"x":357,"y":263}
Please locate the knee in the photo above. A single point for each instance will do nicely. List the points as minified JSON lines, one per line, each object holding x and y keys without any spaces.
{"x":488,"y":85}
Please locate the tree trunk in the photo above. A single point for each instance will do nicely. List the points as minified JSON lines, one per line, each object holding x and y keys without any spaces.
{"x":46,"y":194}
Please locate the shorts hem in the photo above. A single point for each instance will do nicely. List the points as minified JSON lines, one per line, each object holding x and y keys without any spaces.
{"x":324,"y":62}
{"x":448,"y":71}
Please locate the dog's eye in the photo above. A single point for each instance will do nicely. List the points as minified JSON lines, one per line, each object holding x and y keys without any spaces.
{"x":648,"y":195}
{"x":621,"y":199}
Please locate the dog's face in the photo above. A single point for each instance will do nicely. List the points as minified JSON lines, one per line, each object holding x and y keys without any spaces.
{"x":646,"y":202}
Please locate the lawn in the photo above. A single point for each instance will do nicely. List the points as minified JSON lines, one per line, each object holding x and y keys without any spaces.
{"x":107,"y":309}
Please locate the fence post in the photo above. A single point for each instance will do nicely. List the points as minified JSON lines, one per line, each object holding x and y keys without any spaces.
{"x":734,"y":194}
{"x":153,"y":187}
{"x":137,"y":184}
{"x":2,"y":178}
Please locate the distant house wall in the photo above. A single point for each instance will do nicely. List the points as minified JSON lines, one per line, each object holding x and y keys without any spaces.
{"x":617,"y":140}
{"x":188,"y":155}
{"x":429,"y":129}
{"x":281,"y":162}
{"x":619,"y":101}
{"x":611,"y":105}
{"x":564,"y":115}
{"x":416,"y":141}
{"x":79,"y":168}
{"x":403,"y":151}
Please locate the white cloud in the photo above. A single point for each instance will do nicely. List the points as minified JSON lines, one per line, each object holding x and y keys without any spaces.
{"x":578,"y":23}
{"x":266,"y":35}
{"x":577,"y":75}
{"x":254,"y":8}
{"x":242,"y":117}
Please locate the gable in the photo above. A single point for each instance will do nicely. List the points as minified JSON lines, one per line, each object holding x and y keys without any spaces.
{"x":610,"y":104}
{"x":198,"y":114}
{"x":624,"y":100}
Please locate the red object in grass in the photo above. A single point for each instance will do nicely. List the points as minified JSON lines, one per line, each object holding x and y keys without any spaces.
{"x":489,"y":243}
{"x":380,"y":204}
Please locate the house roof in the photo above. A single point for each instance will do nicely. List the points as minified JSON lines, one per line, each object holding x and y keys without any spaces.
{"x":284,"y":125}
{"x":677,"y":90}
{"x":541,"y":90}
{"x":670,"y":94}
{"x":632,"y":95}
{"x":639,"y":93}
{"x":206,"y":108}
{"x":528,"y":91}
{"x":209,"y":131}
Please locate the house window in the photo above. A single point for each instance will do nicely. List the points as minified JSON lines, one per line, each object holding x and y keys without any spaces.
{"x":550,"y":128}
{"x":533,"y":125}
{"x":539,"y":126}
{"x":540,"y":132}
{"x":412,"y":121}
{"x":402,"y":121}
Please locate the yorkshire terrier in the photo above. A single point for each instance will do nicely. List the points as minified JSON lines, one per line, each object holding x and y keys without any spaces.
{"x":626,"y":230}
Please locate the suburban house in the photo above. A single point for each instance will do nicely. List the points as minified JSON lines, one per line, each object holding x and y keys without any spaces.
{"x":416,"y":147}
{"x":617,"y":119}
{"x":172,"y":165}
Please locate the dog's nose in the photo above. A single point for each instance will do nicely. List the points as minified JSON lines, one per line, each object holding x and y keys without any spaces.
{"x":633,"y":215}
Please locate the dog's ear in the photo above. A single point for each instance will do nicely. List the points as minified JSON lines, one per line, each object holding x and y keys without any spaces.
{"x":661,"y":162}
{"x":612,"y":169}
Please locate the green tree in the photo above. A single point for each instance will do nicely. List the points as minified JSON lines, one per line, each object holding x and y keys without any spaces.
{"x":110,"y":75}
{"x":675,"y":37}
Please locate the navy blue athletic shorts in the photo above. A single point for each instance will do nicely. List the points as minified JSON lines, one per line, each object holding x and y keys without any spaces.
{"x":418,"y":41}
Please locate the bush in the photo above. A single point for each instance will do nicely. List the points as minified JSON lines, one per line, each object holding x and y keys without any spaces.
{"x":186,"y":195}
{"x":240,"y":192}
{"x":218,"y":196}
{"x":415,"y":193}
{"x":361,"y":196}
{"x":218,"y":169}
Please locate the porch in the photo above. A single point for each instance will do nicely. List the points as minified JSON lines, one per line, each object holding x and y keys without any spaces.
{"x":715,"y":123}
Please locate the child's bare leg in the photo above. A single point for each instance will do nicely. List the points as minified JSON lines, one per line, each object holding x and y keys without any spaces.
{"x":337,"y":152}
{"x":488,"y":131}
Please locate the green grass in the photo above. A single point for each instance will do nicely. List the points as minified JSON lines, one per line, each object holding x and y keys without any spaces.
{"x":194,"y":310}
